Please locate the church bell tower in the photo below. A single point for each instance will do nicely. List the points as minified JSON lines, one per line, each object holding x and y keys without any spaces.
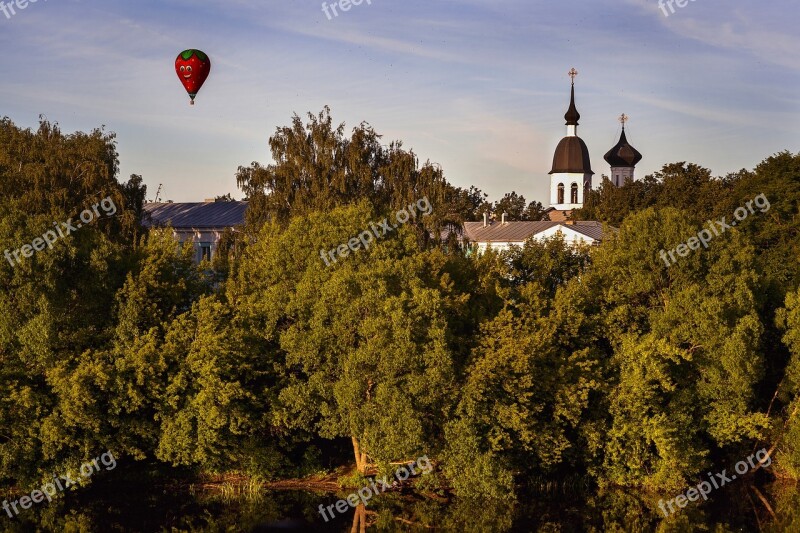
{"x":571,"y":175}
{"x":622,"y":158}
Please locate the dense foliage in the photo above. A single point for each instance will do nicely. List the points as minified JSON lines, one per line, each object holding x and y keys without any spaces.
{"x":541,"y":362}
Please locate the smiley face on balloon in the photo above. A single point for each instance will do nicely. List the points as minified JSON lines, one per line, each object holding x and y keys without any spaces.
{"x":193,"y":68}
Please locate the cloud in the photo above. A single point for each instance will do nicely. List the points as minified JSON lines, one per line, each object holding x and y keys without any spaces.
{"x":751,"y":29}
{"x":722,"y":116}
{"x":767,"y":45}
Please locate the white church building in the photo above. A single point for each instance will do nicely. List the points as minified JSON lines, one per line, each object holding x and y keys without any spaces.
{"x":571,"y":176}
{"x":570,"y":182}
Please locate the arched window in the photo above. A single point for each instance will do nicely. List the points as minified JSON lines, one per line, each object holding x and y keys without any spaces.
{"x":560,"y":193}
{"x":574,"y":193}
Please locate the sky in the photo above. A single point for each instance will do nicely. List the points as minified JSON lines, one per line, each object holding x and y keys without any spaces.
{"x":478,"y":86}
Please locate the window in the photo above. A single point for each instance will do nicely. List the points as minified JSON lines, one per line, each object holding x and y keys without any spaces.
{"x":560,"y":193}
{"x":205,"y":251}
{"x":574,"y":193}
{"x":616,"y":180}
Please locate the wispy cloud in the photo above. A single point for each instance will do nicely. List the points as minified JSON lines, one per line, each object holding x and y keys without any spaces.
{"x":477,"y":85}
{"x":746,"y":28}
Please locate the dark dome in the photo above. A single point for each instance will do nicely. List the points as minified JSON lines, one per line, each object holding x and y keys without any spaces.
{"x":572,"y":156}
{"x":623,"y":154}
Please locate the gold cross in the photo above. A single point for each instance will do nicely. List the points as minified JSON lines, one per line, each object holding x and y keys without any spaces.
{"x":572,"y":73}
{"x":623,"y":119}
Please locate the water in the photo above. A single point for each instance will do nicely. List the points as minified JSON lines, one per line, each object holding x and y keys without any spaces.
{"x":153,"y":506}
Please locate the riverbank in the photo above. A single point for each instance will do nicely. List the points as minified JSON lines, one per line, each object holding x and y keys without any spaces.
{"x":148,"y":501}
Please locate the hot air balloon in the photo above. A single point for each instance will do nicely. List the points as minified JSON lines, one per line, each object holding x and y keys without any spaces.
{"x":192,"y":67}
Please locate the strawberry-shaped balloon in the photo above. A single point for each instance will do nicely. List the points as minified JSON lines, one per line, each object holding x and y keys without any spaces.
{"x":193,"y":67}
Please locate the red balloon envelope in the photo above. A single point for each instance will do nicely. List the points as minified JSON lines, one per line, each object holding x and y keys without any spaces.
{"x":192,"y":67}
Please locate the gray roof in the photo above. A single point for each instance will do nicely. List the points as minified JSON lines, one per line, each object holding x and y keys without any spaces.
{"x":196,"y":215}
{"x":590,"y":228}
{"x":522,"y":231}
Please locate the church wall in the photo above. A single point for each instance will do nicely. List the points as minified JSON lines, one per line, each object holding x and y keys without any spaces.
{"x":567,"y":179}
{"x":620,"y":174}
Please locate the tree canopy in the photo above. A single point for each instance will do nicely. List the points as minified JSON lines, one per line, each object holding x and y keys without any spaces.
{"x":543,"y":361}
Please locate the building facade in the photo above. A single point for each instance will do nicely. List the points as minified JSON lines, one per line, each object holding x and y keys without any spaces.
{"x":201,"y":225}
{"x":501,"y":236}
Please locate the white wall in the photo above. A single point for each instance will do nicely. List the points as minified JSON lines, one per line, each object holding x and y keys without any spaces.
{"x":496,"y":246}
{"x":570,"y":236}
{"x":620,"y":174}
{"x":568,"y":179}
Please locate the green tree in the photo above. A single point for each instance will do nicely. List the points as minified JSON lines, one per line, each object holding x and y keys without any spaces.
{"x":317,"y":168}
{"x":516,"y":208}
{"x":686,"y":343}
{"x":209,"y":416}
{"x":364,"y":347}
{"x":682,"y":185}
{"x":525,"y":404}
{"x":512,"y":204}
{"x":58,"y":304}
{"x":786,"y":438}
{"x":110,"y":395}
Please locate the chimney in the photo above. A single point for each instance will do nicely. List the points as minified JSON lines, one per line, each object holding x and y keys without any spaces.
{"x":485,"y":219}
{"x":504,"y":219}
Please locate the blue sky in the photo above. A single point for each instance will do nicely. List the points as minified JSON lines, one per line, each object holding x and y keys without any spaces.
{"x":478,"y":86}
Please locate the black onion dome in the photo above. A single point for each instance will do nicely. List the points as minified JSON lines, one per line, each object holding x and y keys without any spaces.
{"x":623,"y":154}
{"x":572,"y":117}
{"x":572,"y":156}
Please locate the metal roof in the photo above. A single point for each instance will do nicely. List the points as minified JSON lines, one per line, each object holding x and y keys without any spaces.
{"x":572,"y":156}
{"x":522,"y":231}
{"x":196,"y":215}
{"x":558,"y":215}
{"x":592,"y":229}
